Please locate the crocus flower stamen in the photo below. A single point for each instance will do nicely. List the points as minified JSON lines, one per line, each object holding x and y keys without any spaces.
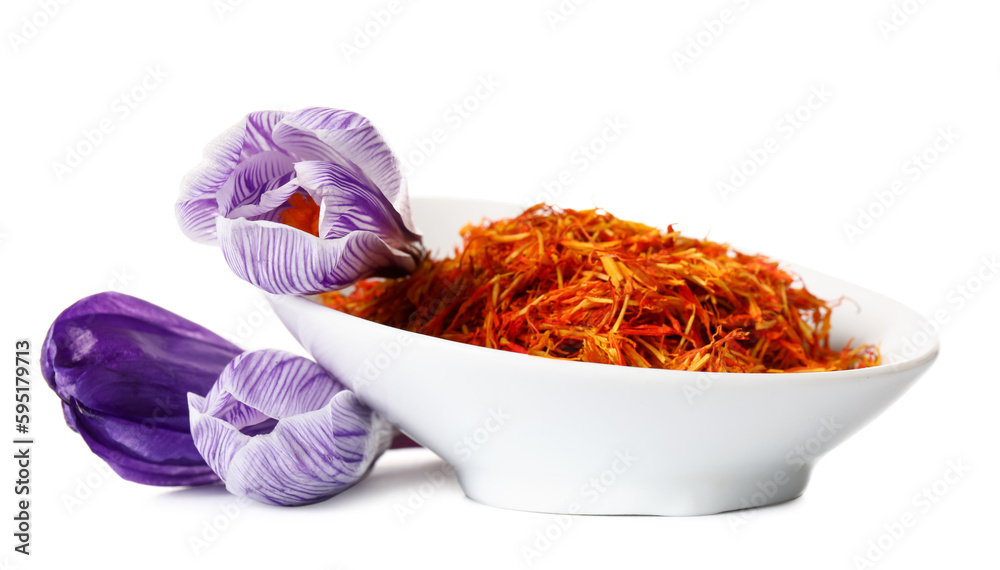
{"x":302,"y":213}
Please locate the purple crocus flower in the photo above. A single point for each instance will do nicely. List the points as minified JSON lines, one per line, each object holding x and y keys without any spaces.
{"x":302,"y":202}
{"x":123,"y":368}
{"x":278,"y":429}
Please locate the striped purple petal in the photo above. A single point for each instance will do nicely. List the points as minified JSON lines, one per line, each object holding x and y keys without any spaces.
{"x":351,"y":141}
{"x":319,"y":438}
{"x":351,"y":204}
{"x":197,"y":207}
{"x":283,"y":260}
{"x":247,"y":196}
{"x":252,"y":178}
{"x":258,"y":129}
{"x":271,"y":199}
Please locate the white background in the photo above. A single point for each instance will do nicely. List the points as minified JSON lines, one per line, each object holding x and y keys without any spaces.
{"x":109,"y":223}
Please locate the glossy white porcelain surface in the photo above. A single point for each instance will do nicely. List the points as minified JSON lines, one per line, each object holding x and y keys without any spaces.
{"x":536,"y":434}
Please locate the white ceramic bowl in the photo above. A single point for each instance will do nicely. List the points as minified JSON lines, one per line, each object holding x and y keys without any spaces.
{"x":536,"y":434}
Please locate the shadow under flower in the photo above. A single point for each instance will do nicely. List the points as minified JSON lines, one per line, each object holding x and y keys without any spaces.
{"x":397,"y":469}
{"x":201,"y":492}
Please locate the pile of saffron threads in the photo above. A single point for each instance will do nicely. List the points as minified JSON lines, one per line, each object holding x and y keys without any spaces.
{"x":584,"y":285}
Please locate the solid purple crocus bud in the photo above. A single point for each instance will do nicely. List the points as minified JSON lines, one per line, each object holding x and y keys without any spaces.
{"x":302,"y":202}
{"x":278,"y":429}
{"x":123,"y":368}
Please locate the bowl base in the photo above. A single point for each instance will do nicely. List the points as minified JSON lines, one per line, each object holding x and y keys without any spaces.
{"x":657,"y":496}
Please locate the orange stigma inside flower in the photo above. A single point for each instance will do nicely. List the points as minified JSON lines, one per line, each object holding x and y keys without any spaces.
{"x":301,"y":213}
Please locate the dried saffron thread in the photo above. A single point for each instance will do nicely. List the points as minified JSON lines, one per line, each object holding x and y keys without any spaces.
{"x":584,"y":285}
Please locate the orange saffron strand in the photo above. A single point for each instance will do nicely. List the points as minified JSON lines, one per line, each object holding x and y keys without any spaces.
{"x":301,"y":212}
{"x":584,"y":285}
